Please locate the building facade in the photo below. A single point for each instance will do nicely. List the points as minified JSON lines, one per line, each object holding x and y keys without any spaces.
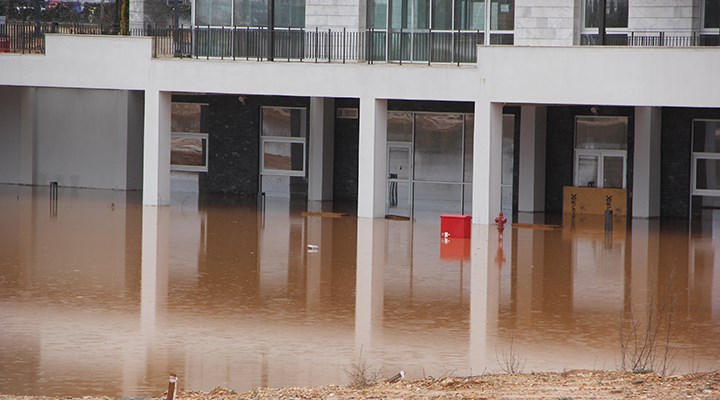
{"x":412,"y":108}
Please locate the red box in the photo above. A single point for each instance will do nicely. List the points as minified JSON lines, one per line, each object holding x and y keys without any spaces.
{"x":454,"y":249}
{"x":455,"y":226}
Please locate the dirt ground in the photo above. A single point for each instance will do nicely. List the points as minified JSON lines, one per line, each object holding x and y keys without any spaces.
{"x":574,"y":385}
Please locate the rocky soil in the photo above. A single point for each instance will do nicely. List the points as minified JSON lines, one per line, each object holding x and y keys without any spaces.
{"x":574,"y":385}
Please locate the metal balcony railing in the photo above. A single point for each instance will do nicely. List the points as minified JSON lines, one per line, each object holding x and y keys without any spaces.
{"x":302,"y":45}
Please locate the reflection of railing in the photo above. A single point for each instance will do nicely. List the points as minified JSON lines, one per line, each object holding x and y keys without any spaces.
{"x":654,"y":39}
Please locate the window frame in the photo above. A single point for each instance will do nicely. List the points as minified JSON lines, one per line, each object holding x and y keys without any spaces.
{"x":601,"y":154}
{"x":703,"y":28}
{"x":204,"y":136}
{"x":284,"y":139}
{"x":700,"y":155}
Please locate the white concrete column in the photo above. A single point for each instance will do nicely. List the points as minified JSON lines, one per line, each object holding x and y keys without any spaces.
{"x":28,"y":128}
{"x":322,"y":132}
{"x":370,"y":281}
{"x":372,"y":163}
{"x":487,"y":157}
{"x":531,"y":185}
{"x":156,"y":150}
{"x":646,"y":161}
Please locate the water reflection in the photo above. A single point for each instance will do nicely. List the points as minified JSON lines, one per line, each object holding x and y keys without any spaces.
{"x":107,"y":297}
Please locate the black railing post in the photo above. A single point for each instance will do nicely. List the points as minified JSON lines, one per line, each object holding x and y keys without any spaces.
{"x":602,"y":23}
{"x":344,"y":44}
{"x":429,"y":46}
{"x":316,"y":44}
{"x":401,"y":55}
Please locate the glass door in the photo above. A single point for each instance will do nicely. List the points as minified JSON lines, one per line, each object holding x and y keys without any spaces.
{"x":399,"y":178}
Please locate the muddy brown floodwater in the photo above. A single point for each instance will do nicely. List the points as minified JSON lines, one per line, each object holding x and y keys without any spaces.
{"x":102,"y":296}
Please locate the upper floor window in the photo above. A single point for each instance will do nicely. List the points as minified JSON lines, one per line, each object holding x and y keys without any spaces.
{"x":252,"y":13}
{"x":711,"y":14}
{"x":446,"y":15}
{"x":616,"y":13}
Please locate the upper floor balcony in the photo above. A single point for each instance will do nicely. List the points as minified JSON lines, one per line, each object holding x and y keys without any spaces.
{"x":320,"y":46}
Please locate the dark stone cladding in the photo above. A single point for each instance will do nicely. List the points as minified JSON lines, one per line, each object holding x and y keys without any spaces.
{"x":560,"y":150}
{"x":676,"y":156}
{"x":234,"y":141}
{"x":345,"y":157}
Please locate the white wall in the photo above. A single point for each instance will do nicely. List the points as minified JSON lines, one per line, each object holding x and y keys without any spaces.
{"x":81,"y":138}
{"x":10,"y":134}
{"x":335,"y":14}
{"x":545,"y":22}
{"x":662,"y":15}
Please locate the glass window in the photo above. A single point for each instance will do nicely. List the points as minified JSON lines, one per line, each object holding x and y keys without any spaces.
{"x":187,"y":117}
{"x":609,"y":133}
{"x":377,"y":14}
{"x":469,"y":130}
{"x":442,"y":14}
{"x":399,"y":127}
{"x":438,"y":147}
{"x":616,"y":13}
{"x":711,"y":15}
{"x":213,"y":12}
{"x":251,"y":13}
{"x":471,"y":14}
{"x":188,"y":152}
{"x":502,"y":15}
{"x":189,"y":140}
{"x":587,"y":171}
{"x":613,"y":171}
{"x":290,"y":13}
{"x":285,"y":122}
{"x":283,"y":156}
{"x":707,"y":176}
{"x":706,"y":136}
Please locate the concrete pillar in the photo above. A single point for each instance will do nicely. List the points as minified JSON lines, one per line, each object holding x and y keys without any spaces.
{"x":322,"y":132}
{"x":531,"y":186}
{"x":28,"y":127}
{"x":487,"y":157}
{"x":370,"y":281}
{"x":156,"y":149}
{"x":372,"y":182}
{"x":646,"y":160}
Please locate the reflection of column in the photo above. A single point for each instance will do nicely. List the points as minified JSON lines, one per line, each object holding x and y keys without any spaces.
{"x":646,"y":161}
{"x":529,"y":253}
{"x":487,"y":156}
{"x":484,"y":297}
{"x":531,"y":186}
{"x":155,"y":255}
{"x":372,"y":158}
{"x":319,"y":232}
{"x":643,"y":268}
{"x":369,"y":286}
{"x":320,"y":158}
{"x":156,"y":159}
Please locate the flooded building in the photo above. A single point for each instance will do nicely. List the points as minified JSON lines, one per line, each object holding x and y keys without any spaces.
{"x":374,"y":108}
{"x":389,"y":104}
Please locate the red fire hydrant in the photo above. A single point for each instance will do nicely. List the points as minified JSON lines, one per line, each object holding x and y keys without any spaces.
{"x":500,"y":221}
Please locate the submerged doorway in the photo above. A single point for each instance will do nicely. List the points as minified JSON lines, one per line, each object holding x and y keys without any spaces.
{"x":429,"y":164}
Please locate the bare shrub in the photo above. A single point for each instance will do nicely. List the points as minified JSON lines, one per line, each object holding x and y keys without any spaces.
{"x":510,"y":361}
{"x":646,"y":340}
{"x":361,"y":374}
